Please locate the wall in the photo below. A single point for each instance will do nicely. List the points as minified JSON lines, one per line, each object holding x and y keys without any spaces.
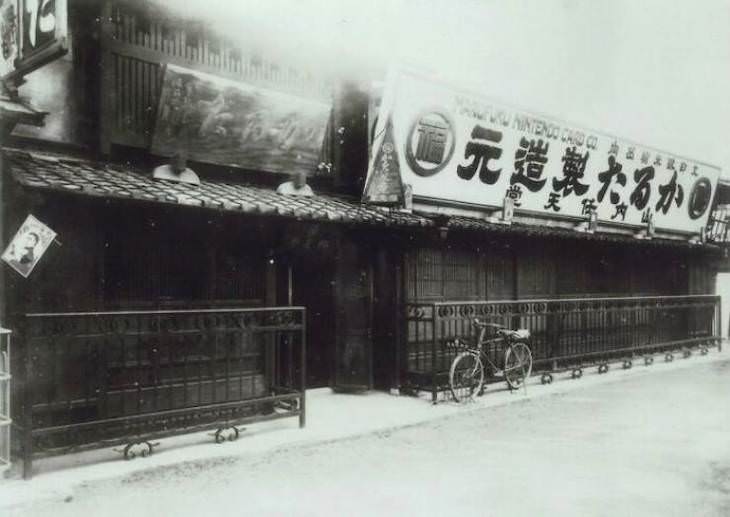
{"x":136,"y":256}
{"x":521,"y":268}
{"x":139,"y":39}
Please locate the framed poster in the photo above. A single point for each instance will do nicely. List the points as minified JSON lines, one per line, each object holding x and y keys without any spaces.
{"x":28,"y":246}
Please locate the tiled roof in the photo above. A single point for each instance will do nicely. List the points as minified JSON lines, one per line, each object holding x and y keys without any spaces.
{"x":62,"y":173}
{"x":67,"y":174}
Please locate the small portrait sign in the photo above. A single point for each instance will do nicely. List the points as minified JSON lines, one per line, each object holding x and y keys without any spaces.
{"x":28,"y":246}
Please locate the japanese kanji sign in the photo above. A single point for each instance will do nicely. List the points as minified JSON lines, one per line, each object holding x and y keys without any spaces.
{"x":459,"y":147}
{"x":28,"y":246}
{"x":33,"y":33}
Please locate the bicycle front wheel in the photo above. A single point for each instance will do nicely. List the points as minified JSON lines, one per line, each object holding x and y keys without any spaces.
{"x":517,"y":364}
{"x":466,"y":376}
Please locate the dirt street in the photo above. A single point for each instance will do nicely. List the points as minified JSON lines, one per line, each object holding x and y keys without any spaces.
{"x":655,"y":444}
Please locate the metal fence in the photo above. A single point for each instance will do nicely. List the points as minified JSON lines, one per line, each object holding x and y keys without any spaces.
{"x":5,"y":416}
{"x":109,"y":378}
{"x":564,"y":332}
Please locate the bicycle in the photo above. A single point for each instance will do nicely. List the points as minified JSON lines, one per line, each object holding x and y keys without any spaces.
{"x":466,"y":375}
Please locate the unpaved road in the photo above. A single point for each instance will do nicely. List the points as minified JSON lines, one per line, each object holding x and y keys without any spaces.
{"x":655,"y":444}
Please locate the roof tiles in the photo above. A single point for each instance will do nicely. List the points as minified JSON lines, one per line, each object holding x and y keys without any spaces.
{"x":84,"y":177}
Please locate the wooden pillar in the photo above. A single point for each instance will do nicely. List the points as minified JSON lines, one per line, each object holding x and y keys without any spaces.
{"x":107,"y":95}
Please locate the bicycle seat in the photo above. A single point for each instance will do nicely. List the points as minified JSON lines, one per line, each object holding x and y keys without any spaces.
{"x":483,"y":324}
{"x":515,"y":334}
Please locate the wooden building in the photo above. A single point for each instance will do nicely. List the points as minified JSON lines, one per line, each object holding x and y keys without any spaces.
{"x":128,"y":243}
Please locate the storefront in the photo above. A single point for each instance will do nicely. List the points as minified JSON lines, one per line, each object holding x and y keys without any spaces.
{"x":168,"y":304}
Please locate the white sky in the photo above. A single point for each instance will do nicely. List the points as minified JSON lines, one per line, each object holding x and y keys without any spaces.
{"x":654,"y":71}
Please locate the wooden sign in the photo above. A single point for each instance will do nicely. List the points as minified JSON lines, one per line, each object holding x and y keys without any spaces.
{"x":33,"y":33}
{"x":455,"y":146}
{"x":231,"y":123}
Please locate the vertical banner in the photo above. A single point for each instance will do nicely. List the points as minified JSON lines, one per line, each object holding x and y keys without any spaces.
{"x":459,"y":147}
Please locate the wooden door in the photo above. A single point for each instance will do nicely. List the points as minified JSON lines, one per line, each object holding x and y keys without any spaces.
{"x":354,"y":300}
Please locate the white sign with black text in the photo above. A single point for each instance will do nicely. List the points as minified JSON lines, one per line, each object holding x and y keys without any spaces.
{"x":461,"y":148}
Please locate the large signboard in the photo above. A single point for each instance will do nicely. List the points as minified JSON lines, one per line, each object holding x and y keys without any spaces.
{"x":461,"y":148}
{"x":33,"y":32}
{"x":231,"y":123}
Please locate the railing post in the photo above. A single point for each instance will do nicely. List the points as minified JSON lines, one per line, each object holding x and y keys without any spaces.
{"x":303,"y":368}
{"x":718,"y":319}
{"x":27,"y":398}
{"x":434,"y":387}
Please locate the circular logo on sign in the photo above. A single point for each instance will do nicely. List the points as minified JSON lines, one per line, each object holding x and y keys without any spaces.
{"x":430,"y":143}
{"x":699,"y":198}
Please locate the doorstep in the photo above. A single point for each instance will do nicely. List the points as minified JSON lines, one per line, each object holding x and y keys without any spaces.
{"x":330,"y":417}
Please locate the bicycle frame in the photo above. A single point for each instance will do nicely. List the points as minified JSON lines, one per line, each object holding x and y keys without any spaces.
{"x":502,"y":343}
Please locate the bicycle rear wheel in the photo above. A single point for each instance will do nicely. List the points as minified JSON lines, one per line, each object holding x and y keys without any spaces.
{"x":517,"y":364}
{"x":466,"y":376}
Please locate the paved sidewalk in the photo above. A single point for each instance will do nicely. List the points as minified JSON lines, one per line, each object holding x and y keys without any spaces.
{"x":330,"y":417}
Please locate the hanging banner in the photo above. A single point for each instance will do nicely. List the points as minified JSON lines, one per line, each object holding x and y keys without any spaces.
{"x":384,"y":184}
{"x":461,"y":148}
{"x":231,"y":123}
{"x":28,"y":246}
{"x":33,"y":32}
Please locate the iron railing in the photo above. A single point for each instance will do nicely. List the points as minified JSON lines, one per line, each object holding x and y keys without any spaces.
{"x":564,"y":332}
{"x":110,"y":378}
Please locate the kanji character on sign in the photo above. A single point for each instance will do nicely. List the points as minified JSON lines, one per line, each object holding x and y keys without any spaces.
{"x":589,"y":206}
{"x":530,"y":160}
{"x":640,"y":196}
{"x":432,"y":137}
{"x":514,"y":192}
{"x":481,"y":154}
{"x":607,"y":176}
{"x":620,"y":211}
{"x":668,"y":193}
{"x":553,"y":202}
{"x":574,"y":166}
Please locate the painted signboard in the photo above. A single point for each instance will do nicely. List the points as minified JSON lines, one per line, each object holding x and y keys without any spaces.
{"x":8,"y":36}
{"x":34,"y":32}
{"x":459,"y":147}
{"x":28,"y":246}
{"x":232,"y":123}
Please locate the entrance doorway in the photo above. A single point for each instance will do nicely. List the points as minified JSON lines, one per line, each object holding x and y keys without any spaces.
{"x":354,"y":322}
{"x":312,"y":287}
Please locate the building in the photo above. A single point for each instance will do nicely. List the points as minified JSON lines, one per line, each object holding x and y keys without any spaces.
{"x":160,"y":305}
